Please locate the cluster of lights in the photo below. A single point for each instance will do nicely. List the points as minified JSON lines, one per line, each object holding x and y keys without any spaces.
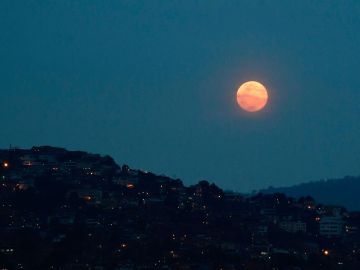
{"x":7,"y":250}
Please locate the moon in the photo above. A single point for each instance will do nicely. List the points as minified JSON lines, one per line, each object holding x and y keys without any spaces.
{"x":252,"y":96}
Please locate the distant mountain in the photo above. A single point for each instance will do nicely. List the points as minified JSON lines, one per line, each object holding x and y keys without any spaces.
{"x":344,"y":191}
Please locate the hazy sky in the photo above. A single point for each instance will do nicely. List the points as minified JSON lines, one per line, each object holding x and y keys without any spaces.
{"x":153,"y":84}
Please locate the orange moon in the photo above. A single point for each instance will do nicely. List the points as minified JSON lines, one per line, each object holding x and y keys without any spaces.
{"x":252,"y":96}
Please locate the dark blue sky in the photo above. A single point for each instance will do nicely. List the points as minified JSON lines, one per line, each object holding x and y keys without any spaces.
{"x":153,"y":84}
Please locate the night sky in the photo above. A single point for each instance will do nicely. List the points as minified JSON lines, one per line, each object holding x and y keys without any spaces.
{"x":153,"y":84}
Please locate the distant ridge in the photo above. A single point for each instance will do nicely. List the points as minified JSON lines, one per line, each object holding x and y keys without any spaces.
{"x":343,"y":191}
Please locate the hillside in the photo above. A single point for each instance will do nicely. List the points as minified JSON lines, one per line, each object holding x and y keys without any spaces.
{"x":343,"y":191}
{"x":66,"y":210}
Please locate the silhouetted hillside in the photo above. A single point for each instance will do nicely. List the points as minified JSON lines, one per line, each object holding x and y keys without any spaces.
{"x":344,"y":191}
{"x":67,"y":210}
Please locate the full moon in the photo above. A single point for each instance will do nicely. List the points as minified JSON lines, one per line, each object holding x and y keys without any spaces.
{"x":252,"y":96}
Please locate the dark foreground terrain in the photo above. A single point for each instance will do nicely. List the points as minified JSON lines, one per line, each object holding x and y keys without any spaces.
{"x":64,"y":209}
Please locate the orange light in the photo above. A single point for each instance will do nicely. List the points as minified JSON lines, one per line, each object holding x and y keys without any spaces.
{"x":130,"y":186}
{"x":6,"y":165}
{"x":326,"y":252}
{"x":87,"y":198}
